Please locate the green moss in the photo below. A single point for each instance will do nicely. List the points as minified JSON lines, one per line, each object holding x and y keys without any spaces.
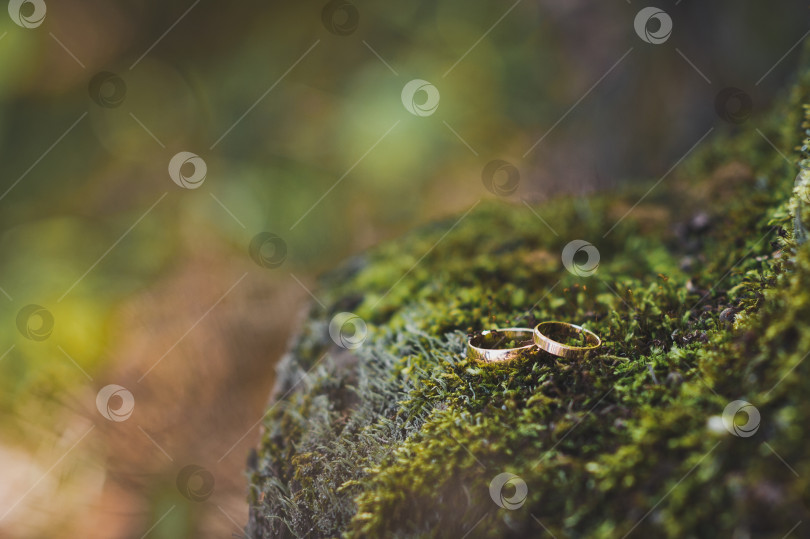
{"x":702,"y":297}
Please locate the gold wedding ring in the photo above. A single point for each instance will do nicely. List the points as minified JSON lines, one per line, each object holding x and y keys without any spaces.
{"x":547,"y":336}
{"x":476,"y":348}
{"x":557,"y":338}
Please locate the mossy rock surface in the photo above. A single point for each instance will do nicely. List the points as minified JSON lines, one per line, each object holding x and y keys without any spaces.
{"x":701,"y":297}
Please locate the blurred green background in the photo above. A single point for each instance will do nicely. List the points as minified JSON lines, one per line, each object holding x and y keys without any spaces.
{"x":296,"y":110}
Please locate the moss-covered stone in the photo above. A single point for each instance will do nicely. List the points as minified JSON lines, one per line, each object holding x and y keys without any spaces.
{"x":702,"y":297}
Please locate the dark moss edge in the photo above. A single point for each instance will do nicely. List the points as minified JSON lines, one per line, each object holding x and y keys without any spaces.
{"x":404,"y":435}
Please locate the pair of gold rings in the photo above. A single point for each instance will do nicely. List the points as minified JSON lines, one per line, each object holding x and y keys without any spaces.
{"x":557,"y":338}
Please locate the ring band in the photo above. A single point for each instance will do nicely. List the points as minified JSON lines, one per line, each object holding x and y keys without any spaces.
{"x":564,"y":329}
{"x":497,"y":355}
